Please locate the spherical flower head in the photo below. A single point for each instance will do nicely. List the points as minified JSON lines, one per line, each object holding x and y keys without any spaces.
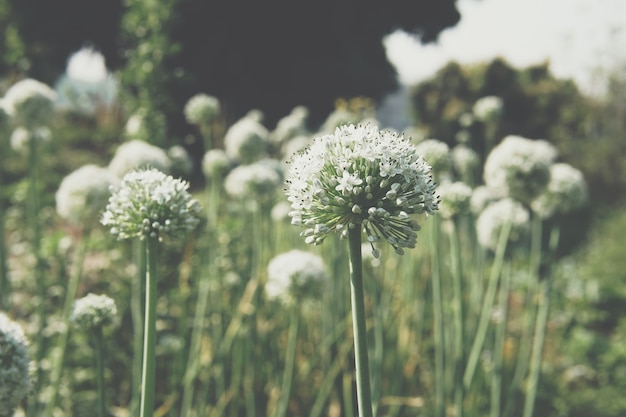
{"x":201,"y":109}
{"x":246,"y":141}
{"x":296,"y":274}
{"x":93,"y":311}
{"x":360,"y":177}
{"x":290,"y":126}
{"x":21,"y":137}
{"x":466,"y":162}
{"x":180,"y":161}
{"x":488,"y":108}
{"x":30,"y":103}
{"x":481,"y":197}
{"x":566,"y":191}
{"x":146,"y":125}
{"x":437,"y":154}
{"x":519,"y":167}
{"x":150,"y":204}
{"x":455,"y":198}
{"x":14,"y":366}
{"x":495,"y":216}
{"x":87,"y":65}
{"x":258,"y":180}
{"x":84,"y":193}
{"x":294,"y":145}
{"x":340,"y":116}
{"x":136,"y":154}
{"x":215,"y":164}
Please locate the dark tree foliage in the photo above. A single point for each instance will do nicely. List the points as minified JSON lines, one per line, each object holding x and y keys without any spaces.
{"x":270,"y":55}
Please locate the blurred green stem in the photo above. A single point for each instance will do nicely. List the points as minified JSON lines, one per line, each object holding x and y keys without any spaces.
{"x":437,"y":319}
{"x":97,"y":336}
{"x":5,"y":284}
{"x":146,"y":407}
{"x":138,"y":287}
{"x":290,"y":361}
{"x":498,"y":349}
{"x":363,"y":390}
{"x":457,"y":311}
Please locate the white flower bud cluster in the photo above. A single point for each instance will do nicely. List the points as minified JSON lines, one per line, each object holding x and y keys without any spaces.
{"x":136,"y":154}
{"x":361,"y":177}
{"x":455,"y":198}
{"x":201,"y":109}
{"x":290,"y":126}
{"x":93,"y":311}
{"x":259,"y":180}
{"x":466,"y":162}
{"x":21,"y":137}
{"x":437,"y":154}
{"x":566,"y":191}
{"x":246,"y":141}
{"x":215,"y":164}
{"x":30,"y":103}
{"x":14,"y":366}
{"x":488,"y":108}
{"x":495,"y":216}
{"x":294,"y":275}
{"x":150,"y":204}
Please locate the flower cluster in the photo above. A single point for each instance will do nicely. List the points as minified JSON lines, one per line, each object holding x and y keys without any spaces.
{"x":246,"y":140}
{"x":30,"y":103}
{"x":83,"y":194}
{"x":93,"y":311}
{"x":149,"y":204}
{"x":455,"y":198}
{"x":201,"y":109}
{"x":466,"y":162}
{"x":495,"y":216}
{"x":566,"y":191}
{"x":215,"y":164}
{"x":21,"y":137}
{"x":14,"y":366}
{"x":360,"y":177}
{"x":437,"y":154}
{"x":295,"y":274}
{"x":488,"y":108}
{"x":259,"y":179}
{"x":290,"y":126}
{"x":519,"y":167}
{"x":136,"y":154}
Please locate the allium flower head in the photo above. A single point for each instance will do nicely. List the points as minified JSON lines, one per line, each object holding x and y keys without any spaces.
{"x":201,"y":109}
{"x":30,"y":103}
{"x":491,"y":221}
{"x":518,"y":167}
{"x":180,"y":161}
{"x":93,"y":311}
{"x":437,"y":154}
{"x":455,"y":198}
{"x":466,"y":162}
{"x":488,"y":108}
{"x":295,"y":274}
{"x":215,"y":164}
{"x":481,"y":197}
{"x":360,"y":177}
{"x":87,"y":65}
{"x":290,"y":126}
{"x":14,"y":366}
{"x":84,"y":193}
{"x":136,"y":154}
{"x":150,"y":204}
{"x":259,"y":180}
{"x":246,"y":140}
{"x":21,"y":137}
{"x":566,"y":191}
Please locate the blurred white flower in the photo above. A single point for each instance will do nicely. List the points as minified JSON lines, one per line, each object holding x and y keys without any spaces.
{"x":294,"y":275}
{"x":290,"y":126}
{"x":14,"y":366}
{"x":246,"y":141}
{"x":93,"y":311}
{"x":180,"y":161}
{"x":21,"y":137}
{"x":87,"y":65}
{"x":437,"y":154}
{"x":258,"y":181}
{"x":455,"y":198}
{"x":215,"y":164}
{"x":481,"y":197}
{"x":495,"y":216}
{"x":83,"y":194}
{"x":566,"y":191}
{"x":138,"y":154}
{"x":488,"y":108}
{"x":338,"y":117}
{"x":201,"y":109}
{"x":466,"y":163}
{"x":30,"y":103}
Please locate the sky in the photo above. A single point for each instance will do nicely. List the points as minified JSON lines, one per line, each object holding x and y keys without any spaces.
{"x":581,"y":39}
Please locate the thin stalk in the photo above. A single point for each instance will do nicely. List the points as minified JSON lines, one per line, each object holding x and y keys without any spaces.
{"x":457,"y":311}
{"x":5,"y":284}
{"x":290,"y":361}
{"x":496,"y":375}
{"x":97,"y":336}
{"x":357,"y":296}
{"x":437,"y":319}
{"x":138,"y":287}
{"x":485,"y":313}
{"x":146,"y":405}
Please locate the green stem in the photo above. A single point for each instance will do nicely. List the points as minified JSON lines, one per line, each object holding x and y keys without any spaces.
{"x":290,"y":360}
{"x":146,"y":406}
{"x":437,"y":319}
{"x":97,"y":335}
{"x":138,"y":286}
{"x":5,"y":284}
{"x":357,"y":296}
{"x":457,"y":310}
{"x":498,"y":354}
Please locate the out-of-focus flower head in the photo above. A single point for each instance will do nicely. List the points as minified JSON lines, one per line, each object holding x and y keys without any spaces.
{"x":481,"y":197}
{"x":30,"y":103}
{"x":201,"y":109}
{"x":437,"y":154}
{"x":215,"y":164}
{"x":21,"y":137}
{"x":455,"y":198}
{"x":340,"y":116}
{"x":360,"y":177}
{"x":290,"y":126}
{"x":495,"y":216}
{"x":258,"y":180}
{"x":83,"y":194}
{"x":294,"y":275}
{"x":138,"y":154}
{"x":566,"y":191}
{"x":246,"y":141}
{"x":488,"y":108}
{"x":87,"y":65}
{"x":180,"y":161}
{"x":518,"y":167}
{"x":14,"y":365}
{"x":147,"y":125}
{"x":466,"y":162}
{"x":151,"y":204}
{"x":93,"y":311}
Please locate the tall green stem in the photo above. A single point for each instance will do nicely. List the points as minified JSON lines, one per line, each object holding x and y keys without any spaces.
{"x":5,"y":284}
{"x":146,"y":405}
{"x":97,"y":336}
{"x":290,"y":360}
{"x":363,"y":390}
{"x":457,"y":311}
{"x":437,"y":319}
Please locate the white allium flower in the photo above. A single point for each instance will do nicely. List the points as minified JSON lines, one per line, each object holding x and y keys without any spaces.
{"x":258,"y":180}
{"x":30,"y":103}
{"x":488,"y":108}
{"x":360,"y":177}
{"x":138,"y":154}
{"x":481,"y":197}
{"x":87,"y":65}
{"x":280,"y":212}
{"x":150,"y":204}
{"x":294,"y":145}
{"x":201,"y":109}
{"x":14,"y":366}
{"x":180,"y":161}
{"x":455,"y":198}
{"x":93,"y":311}
{"x":296,"y":274}
{"x":21,"y":137}
{"x":437,"y":154}
{"x":290,"y":126}
{"x":215,"y":164}
{"x":146,"y":125}
{"x":546,"y":149}
{"x":466,"y":162}
{"x":338,"y":117}
{"x":84,"y":193}
{"x":566,"y":191}
{"x":518,"y":167}
{"x":246,"y":141}
{"x":495,"y":216}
